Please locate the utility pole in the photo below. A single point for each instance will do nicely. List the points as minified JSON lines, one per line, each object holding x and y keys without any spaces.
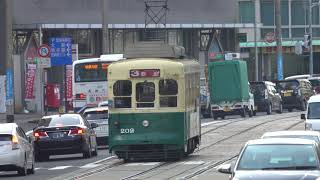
{"x":105,"y":30}
{"x":279,"y":41}
{"x":256,"y":59}
{"x":310,"y":34}
{"x":6,"y":63}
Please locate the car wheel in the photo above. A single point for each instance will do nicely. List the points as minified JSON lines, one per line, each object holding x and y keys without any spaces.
{"x":215,"y":116}
{"x":22,"y":171}
{"x":303,"y":105}
{"x":269,"y":109}
{"x":290,"y":109}
{"x":87,"y":153}
{"x":250,"y":112}
{"x":243,"y":112}
{"x":95,"y":152}
{"x":280,"y":108}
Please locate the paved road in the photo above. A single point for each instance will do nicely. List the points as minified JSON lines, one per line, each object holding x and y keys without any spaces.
{"x":221,"y":140}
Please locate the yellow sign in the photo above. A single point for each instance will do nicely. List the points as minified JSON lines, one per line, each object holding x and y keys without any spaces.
{"x":226,"y":109}
{"x":286,"y":94}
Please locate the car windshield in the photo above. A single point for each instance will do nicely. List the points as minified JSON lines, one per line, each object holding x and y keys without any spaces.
{"x":288,"y":85}
{"x":59,"y":121}
{"x":278,"y":156}
{"x":310,"y":137}
{"x":314,"y":110}
{"x":94,"y":115}
{"x":315,"y":82}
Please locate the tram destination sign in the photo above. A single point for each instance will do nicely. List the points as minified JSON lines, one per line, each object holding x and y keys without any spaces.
{"x":139,"y":73}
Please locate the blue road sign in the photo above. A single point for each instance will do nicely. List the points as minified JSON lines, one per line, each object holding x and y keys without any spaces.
{"x":61,"y":51}
{"x":9,"y":87}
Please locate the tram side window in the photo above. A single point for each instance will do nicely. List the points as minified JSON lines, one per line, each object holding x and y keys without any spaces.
{"x":122,"y":91}
{"x":145,"y":94}
{"x":168,"y":90}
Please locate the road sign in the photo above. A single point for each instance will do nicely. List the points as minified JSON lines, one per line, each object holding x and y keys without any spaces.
{"x":61,"y":51}
{"x":44,"y":51}
{"x":43,"y":62}
{"x":9,"y":87}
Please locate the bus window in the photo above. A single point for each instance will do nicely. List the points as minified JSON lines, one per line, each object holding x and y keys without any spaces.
{"x":145,"y":94}
{"x":122,"y":91}
{"x":168,"y":90}
{"x":89,"y":72}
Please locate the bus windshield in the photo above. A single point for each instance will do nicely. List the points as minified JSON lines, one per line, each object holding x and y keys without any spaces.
{"x":91,"y":72}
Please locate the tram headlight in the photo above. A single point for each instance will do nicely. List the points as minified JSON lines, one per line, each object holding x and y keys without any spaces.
{"x":145,"y":123}
{"x":116,"y":123}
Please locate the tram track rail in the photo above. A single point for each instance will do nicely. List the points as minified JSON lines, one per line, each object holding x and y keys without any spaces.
{"x":118,"y":162}
{"x":211,"y":164}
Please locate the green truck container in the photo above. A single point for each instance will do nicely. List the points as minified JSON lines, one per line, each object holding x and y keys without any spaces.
{"x":229,"y":89}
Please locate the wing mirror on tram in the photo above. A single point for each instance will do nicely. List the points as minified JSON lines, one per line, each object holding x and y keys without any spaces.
{"x":303,"y":116}
{"x":225,"y":168}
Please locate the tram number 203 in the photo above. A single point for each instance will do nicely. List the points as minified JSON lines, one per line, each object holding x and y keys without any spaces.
{"x":127,"y":131}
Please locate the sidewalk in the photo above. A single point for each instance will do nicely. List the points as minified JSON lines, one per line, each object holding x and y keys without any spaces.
{"x":26,"y":121}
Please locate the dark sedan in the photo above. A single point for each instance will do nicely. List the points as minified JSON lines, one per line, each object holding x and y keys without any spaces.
{"x":64,"y":134}
{"x":278,"y":158}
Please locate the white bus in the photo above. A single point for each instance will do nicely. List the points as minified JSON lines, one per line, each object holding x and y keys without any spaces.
{"x":89,"y":80}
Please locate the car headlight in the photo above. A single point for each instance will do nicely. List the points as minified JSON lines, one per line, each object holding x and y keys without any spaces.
{"x":308,"y":126}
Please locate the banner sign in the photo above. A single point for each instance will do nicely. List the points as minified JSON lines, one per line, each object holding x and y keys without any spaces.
{"x":2,"y":94}
{"x":69,"y":82}
{"x":9,"y":87}
{"x":29,"y":81}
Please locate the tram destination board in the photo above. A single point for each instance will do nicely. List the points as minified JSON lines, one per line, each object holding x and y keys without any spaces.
{"x":139,"y":73}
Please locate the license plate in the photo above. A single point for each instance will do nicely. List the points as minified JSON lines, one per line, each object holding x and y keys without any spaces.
{"x":57,"y":135}
{"x":286,"y":94}
{"x":226,"y":109}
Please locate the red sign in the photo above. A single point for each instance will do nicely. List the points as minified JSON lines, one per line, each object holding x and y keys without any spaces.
{"x":44,"y":51}
{"x":29,"y":81}
{"x":138,"y":73}
{"x":69,"y":82}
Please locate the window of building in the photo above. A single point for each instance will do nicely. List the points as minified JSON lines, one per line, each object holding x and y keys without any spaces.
{"x":284,"y":12}
{"x":298,"y":11}
{"x":145,"y":94}
{"x":246,"y":11}
{"x":298,"y":32}
{"x":267,"y":12}
{"x":122,"y":91}
{"x":168,"y":90}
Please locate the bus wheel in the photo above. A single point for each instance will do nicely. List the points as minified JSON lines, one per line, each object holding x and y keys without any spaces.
{"x":243,"y":112}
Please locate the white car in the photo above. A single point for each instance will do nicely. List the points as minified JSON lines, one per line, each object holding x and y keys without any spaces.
{"x":100,"y":116}
{"x":103,"y":104}
{"x":311,"y":135}
{"x":312,"y":115}
{"x":16,"y":150}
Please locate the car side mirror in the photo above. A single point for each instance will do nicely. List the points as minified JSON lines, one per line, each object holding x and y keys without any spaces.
{"x":94,"y":125}
{"x":303,"y":116}
{"x":225,"y":168}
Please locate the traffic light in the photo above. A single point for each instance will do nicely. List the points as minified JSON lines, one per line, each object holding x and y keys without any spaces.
{"x":307,"y":41}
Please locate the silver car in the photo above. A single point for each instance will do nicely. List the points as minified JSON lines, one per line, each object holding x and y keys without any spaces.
{"x":16,"y":150}
{"x":311,"y":135}
{"x":100,"y":116}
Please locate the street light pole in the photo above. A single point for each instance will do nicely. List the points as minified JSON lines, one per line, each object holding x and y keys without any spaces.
{"x":256,"y":59}
{"x":105,"y":30}
{"x":310,"y":34}
{"x":279,"y":41}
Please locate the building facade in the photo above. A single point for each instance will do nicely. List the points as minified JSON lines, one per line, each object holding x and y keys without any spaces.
{"x":295,"y":24}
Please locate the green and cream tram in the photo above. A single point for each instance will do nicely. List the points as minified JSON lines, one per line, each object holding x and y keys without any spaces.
{"x":154,"y":107}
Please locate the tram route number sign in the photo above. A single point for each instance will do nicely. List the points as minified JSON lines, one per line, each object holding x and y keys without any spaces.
{"x":139,"y":73}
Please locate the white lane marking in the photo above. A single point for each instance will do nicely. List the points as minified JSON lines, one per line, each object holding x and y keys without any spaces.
{"x":90,"y":166}
{"x":193,"y":162}
{"x":59,"y":168}
{"x":97,"y":162}
{"x":208,"y":123}
{"x":143,"y":164}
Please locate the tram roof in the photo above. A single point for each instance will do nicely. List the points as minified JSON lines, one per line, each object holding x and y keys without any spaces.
{"x":166,"y":65}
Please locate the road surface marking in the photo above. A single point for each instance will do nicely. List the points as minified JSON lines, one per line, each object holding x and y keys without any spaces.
{"x":91,"y":165}
{"x":59,"y":167}
{"x":143,"y":164}
{"x":193,"y":162}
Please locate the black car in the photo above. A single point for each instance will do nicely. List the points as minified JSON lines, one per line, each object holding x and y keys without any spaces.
{"x":64,"y":134}
{"x":266,"y":97}
{"x":295,"y":93}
